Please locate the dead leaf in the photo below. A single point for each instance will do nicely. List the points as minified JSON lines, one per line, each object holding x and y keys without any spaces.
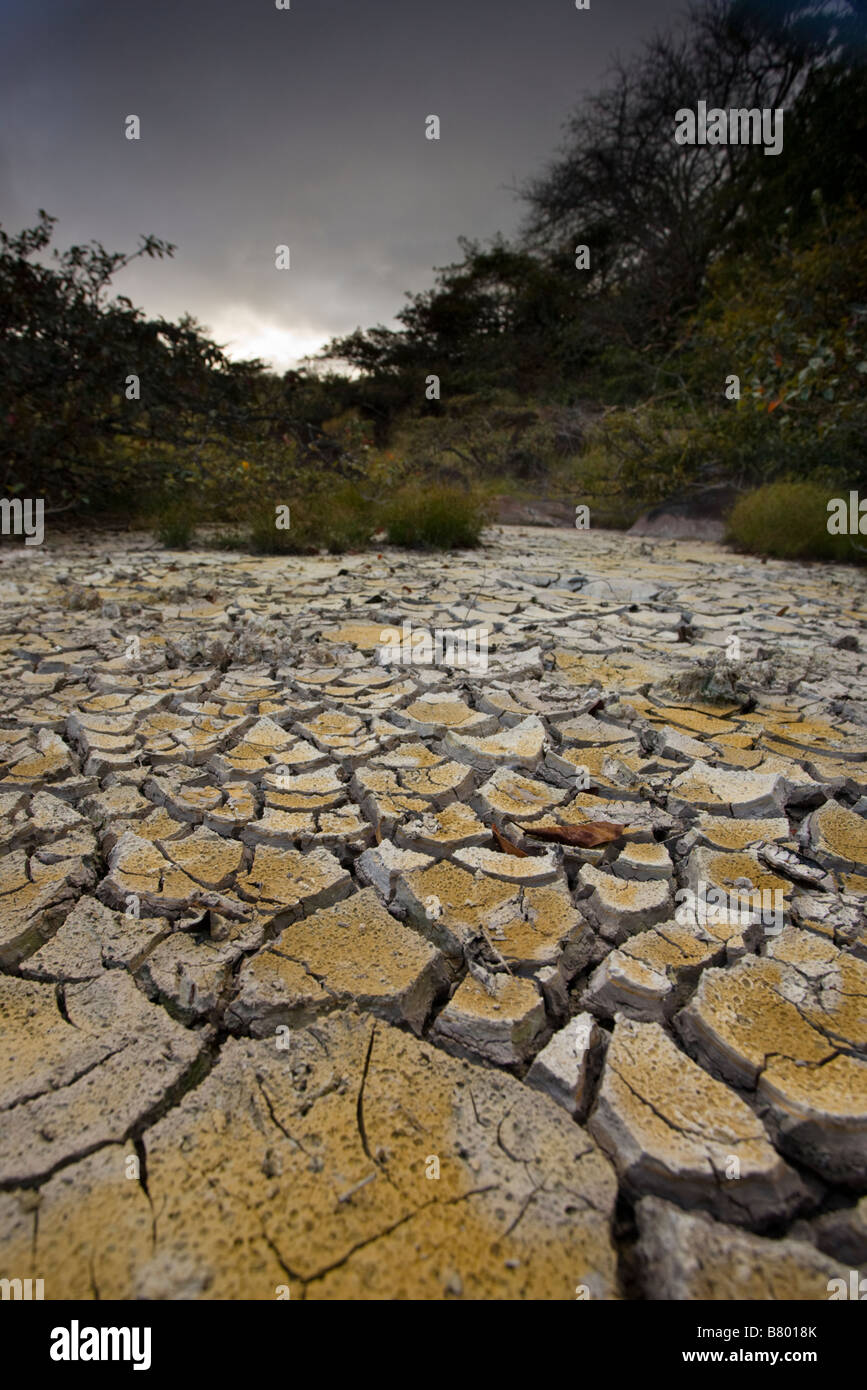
{"x":595,"y":832}
{"x":506,"y":845}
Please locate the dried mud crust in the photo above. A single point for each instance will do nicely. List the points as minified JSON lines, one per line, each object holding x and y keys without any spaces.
{"x":362,"y":981}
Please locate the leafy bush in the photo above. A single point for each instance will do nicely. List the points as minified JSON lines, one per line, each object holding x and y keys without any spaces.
{"x":495,"y":438}
{"x":794,"y":329}
{"x":789,"y":520}
{"x":75,"y":427}
{"x":640,"y":456}
{"x":593,"y":481}
{"x":438,"y":518}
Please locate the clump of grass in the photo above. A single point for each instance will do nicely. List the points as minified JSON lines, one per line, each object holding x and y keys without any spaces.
{"x":265,"y":537}
{"x":789,"y":520}
{"x":435,"y":518}
{"x":335,"y":521}
{"x":173,"y":525}
{"x":347,"y":518}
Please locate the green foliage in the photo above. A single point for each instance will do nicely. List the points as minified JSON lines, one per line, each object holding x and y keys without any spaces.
{"x":795,"y":331}
{"x":647,"y":452}
{"x":264,"y":537}
{"x":345,"y":518}
{"x":620,"y":375}
{"x":596,"y":480}
{"x":174,"y":526}
{"x":434,"y":518}
{"x":67,"y":429}
{"x":497,"y":438}
{"x":793,"y":328}
{"x":789,"y":520}
{"x":335,"y":520}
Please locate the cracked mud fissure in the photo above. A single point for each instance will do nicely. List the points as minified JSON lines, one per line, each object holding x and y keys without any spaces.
{"x":276,"y":1002}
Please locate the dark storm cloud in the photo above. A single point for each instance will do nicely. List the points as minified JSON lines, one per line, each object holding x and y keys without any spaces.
{"x":305,"y":126}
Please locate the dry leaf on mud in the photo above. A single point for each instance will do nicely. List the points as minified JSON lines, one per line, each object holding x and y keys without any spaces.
{"x":506,"y":845}
{"x":597,"y":832}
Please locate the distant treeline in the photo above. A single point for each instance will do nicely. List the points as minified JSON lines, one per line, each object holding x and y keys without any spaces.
{"x":669,"y":312}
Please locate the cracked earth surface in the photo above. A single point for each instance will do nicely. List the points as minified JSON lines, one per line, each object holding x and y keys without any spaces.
{"x":283,"y":1005}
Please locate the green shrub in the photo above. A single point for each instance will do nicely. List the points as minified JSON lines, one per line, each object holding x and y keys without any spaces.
{"x":592,"y":479}
{"x":436,"y":518}
{"x":789,"y":521}
{"x":336,"y":520}
{"x":477,"y":438}
{"x":795,"y":327}
{"x":264,"y":537}
{"x":174,"y":525}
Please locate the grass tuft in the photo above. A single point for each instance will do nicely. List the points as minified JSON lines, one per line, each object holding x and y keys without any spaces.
{"x":789,"y":521}
{"x":435,"y":518}
{"x":173,"y":525}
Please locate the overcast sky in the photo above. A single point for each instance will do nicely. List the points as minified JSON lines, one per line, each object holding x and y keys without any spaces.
{"x":304,"y":126}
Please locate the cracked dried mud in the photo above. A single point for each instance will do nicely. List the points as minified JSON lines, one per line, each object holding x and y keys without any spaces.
{"x":408,"y":981}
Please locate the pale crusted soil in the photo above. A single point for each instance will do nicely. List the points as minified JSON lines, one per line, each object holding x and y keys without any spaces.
{"x":281,"y":1015}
